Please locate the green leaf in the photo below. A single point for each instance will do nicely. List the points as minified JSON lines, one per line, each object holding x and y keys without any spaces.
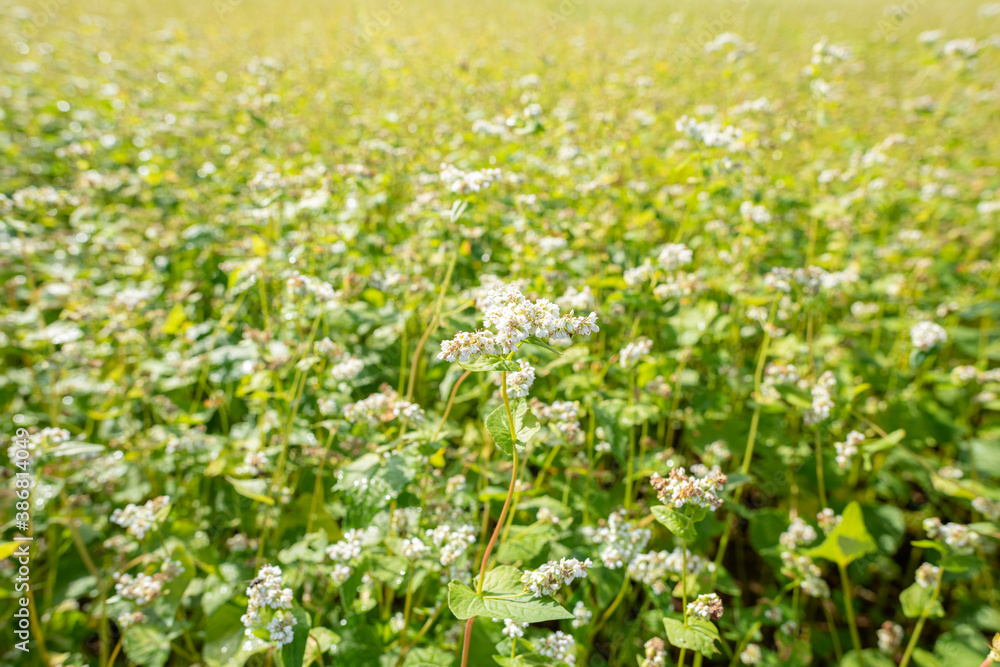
{"x":293,"y":653}
{"x":146,"y":646}
{"x":322,"y":640}
{"x":499,"y":427}
{"x":529,"y":660}
{"x":502,"y":598}
{"x":918,"y":601}
{"x":488,"y":363}
{"x":535,"y":340}
{"x":254,"y":489}
{"x":848,"y":541}
{"x":525,"y":426}
{"x":699,"y":635}
{"x":676,"y":522}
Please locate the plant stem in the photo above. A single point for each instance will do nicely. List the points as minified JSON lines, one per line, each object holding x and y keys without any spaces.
{"x":819,"y":471}
{"x":849,"y":607}
{"x":500,"y":521}
{"x":915,"y":637}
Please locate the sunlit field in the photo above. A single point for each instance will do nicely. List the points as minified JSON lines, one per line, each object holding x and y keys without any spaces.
{"x":566,"y":334}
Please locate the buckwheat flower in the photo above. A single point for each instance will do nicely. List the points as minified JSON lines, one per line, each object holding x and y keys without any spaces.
{"x":717,"y":451}
{"x":655,"y":567}
{"x":452,"y":542}
{"x":956,"y":535}
{"x":756,"y":213}
{"x":678,"y":489}
{"x":341,"y":573}
{"x":707,"y":606}
{"x":564,"y":415}
{"x":461,"y":182}
{"x":553,"y":575}
{"x":141,"y":588}
{"x":455,"y":484}
{"x":139,"y":519}
{"x":987,"y":508}
{"x":281,"y":628}
{"x":581,"y":615}
{"x":963,"y":375}
{"x":828,"y":520}
{"x":890,"y":637}
{"x":847,"y":450}
{"x":656,"y":653}
{"x":575,"y":299}
{"x":751,"y":655}
{"x":264,"y":593}
{"x":348,"y":548}
{"x":545,"y":515}
{"x":620,"y":541}
{"x":774,"y":614}
{"x":127,"y":619}
{"x":558,"y":646}
{"x":639,"y":274}
{"x":519,"y":381}
{"x":927,"y":335}
{"x":674,"y":256}
{"x":383,"y":407}
{"x":799,"y":532}
{"x":926,"y":575}
{"x":348,"y":369}
{"x":822,"y":402}
{"x":512,"y":629}
{"x":603,"y":447}
{"x":414,"y":548}
{"x":631,"y":353}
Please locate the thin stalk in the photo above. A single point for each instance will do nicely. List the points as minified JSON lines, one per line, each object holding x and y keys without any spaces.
{"x":500,"y":521}
{"x":819,"y":471}
{"x":432,"y":326}
{"x":915,"y":637}
{"x":849,"y":607}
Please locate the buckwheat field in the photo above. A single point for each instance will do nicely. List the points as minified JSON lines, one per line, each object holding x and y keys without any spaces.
{"x":566,"y":333}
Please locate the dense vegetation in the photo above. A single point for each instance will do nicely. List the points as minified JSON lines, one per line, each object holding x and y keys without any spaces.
{"x":536,"y":333}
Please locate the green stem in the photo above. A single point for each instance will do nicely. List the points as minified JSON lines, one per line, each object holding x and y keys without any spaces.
{"x":849,"y":607}
{"x":915,"y":637}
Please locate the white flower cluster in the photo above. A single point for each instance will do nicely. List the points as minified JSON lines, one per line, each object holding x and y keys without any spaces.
{"x":678,"y":489}
{"x":139,"y":519}
{"x":958,"y":536}
{"x":349,"y":548}
{"x":558,"y":646}
{"x":927,"y":575}
{"x":711,"y":133}
{"x":987,"y":508}
{"x":553,"y":575}
{"x":751,"y":655}
{"x":141,"y":588}
{"x":803,"y":568}
{"x":621,"y":542}
{"x":828,"y":520}
{"x":299,"y":284}
{"x":654,"y":567}
{"x":656,"y":653}
{"x":347,"y":369}
{"x":799,"y":532}
{"x":707,"y":606}
{"x":519,"y":381}
{"x":890,"y":637}
{"x":927,"y":335}
{"x":452,"y":542}
{"x":515,"y":319}
{"x":565,"y":415}
{"x":822,"y":401}
{"x":266,"y":592}
{"x":461,"y":182}
{"x":581,"y":615}
{"x":755,"y":213}
{"x":674,"y":256}
{"x":382,"y":407}
{"x":631,"y":353}
{"x":413,"y":548}
{"x":847,"y":450}
{"x":511,"y":628}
